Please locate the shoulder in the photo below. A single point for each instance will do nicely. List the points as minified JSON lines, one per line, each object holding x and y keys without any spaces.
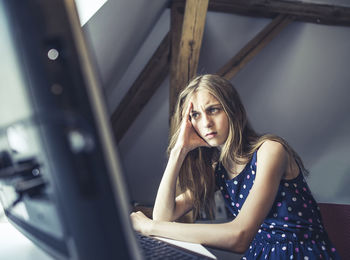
{"x":272,"y":155}
{"x":272,"y":147}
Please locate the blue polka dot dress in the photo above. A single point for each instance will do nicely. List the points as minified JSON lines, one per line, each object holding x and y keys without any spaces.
{"x":293,"y":228}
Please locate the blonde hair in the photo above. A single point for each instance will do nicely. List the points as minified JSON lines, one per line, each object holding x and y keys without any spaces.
{"x":197,"y":173}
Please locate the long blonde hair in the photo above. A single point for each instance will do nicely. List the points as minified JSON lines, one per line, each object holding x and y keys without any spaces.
{"x":197,"y":173}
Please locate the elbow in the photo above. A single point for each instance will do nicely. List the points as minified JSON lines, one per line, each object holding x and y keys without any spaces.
{"x":240,"y":242}
{"x":240,"y":248}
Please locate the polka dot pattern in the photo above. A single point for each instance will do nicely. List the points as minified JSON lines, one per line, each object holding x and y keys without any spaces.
{"x":293,"y":228}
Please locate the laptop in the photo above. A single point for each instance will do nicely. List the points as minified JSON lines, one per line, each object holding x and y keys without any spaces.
{"x":61,"y":181}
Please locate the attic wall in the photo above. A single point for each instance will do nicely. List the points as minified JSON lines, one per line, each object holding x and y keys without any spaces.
{"x":143,"y":148}
{"x":115,"y":35}
{"x":297,"y":87}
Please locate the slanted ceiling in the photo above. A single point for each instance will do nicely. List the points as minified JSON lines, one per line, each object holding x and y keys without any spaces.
{"x":178,"y":53}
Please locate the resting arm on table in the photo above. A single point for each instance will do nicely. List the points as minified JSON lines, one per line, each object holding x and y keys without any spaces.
{"x":235,"y":235}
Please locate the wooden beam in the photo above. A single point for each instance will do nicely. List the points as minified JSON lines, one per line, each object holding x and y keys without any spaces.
{"x":307,"y":12}
{"x":186,"y":59}
{"x":331,"y":14}
{"x":253,"y":47}
{"x":176,"y":22}
{"x":142,"y":90}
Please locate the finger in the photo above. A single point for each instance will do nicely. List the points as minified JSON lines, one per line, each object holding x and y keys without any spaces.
{"x":140,"y":213}
{"x":188,"y":110}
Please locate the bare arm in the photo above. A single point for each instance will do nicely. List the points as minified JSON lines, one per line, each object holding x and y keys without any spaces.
{"x":237,"y":234}
{"x":225,"y":235}
{"x":167,"y":207}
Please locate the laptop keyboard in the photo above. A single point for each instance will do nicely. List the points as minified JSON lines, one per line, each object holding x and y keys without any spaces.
{"x":157,"y":249}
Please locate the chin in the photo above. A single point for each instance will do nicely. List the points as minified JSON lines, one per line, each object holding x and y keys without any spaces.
{"x":214,"y":144}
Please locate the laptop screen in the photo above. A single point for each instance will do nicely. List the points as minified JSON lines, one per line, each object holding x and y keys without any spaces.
{"x":60,"y":177}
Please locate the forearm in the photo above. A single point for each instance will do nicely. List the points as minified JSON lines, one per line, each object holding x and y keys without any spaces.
{"x":226,"y":236}
{"x":164,"y":206}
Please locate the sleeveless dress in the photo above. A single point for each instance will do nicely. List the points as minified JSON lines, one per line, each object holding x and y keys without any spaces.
{"x":293,"y":228}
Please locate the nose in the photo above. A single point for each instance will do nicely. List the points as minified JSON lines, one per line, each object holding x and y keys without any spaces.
{"x":207,"y":121}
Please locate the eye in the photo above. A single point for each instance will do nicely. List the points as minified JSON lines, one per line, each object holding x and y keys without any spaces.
{"x":213,"y":110}
{"x":194,"y":115}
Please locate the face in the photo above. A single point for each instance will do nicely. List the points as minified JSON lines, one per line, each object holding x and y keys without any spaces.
{"x":208,"y":118}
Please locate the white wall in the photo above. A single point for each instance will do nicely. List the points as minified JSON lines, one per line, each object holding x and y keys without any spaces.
{"x":297,"y":87}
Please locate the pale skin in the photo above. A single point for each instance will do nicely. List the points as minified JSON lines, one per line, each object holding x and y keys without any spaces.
{"x":206,"y":124}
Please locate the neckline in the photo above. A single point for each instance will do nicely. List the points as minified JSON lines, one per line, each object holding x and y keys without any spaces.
{"x":241,"y":173}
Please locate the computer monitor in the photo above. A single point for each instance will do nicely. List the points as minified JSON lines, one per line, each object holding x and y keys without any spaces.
{"x":60,"y":176}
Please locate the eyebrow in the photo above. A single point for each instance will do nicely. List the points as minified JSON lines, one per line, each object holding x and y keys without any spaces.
{"x":209,"y":106}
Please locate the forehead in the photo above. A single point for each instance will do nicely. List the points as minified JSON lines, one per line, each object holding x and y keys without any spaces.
{"x":203,"y":98}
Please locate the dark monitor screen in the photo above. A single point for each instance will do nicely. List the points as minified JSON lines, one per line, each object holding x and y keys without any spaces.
{"x":60,"y":179}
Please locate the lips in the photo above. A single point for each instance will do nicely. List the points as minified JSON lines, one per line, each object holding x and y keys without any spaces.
{"x":211,"y":135}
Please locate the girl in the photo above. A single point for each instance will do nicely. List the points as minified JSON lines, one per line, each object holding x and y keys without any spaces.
{"x":260,"y":177}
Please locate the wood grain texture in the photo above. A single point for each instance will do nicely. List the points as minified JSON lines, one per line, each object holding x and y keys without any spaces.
{"x":186,"y":58}
{"x":332,"y":14}
{"x":176,"y":22}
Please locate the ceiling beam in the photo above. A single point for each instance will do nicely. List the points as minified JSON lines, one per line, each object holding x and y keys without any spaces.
{"x":186,"y":49}
{"x":142,"y":90}
{"x":254,"y":46}
{"x":331,"y":14}
{"x":176,"y":22}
